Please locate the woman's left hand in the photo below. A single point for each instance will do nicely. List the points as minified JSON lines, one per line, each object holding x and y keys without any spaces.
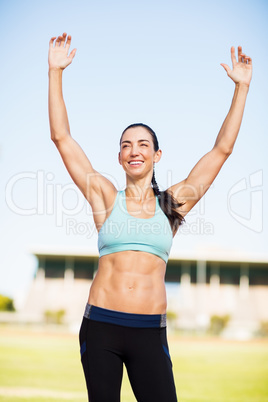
{"x":242,"y":70}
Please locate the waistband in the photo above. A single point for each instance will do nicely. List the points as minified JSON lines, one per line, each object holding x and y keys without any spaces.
{"x":125,"y":319}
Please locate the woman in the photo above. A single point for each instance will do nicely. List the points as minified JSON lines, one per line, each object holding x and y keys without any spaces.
{"x":125,"y":318}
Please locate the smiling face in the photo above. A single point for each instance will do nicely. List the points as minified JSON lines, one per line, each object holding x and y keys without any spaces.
{"x":137,"y":155}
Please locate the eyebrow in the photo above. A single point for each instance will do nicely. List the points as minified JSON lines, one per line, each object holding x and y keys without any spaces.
{"x":129,"y":142}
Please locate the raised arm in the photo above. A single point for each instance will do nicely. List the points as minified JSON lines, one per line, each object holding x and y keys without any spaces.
{"x":205,"y":171}
{"x":98,"y":190}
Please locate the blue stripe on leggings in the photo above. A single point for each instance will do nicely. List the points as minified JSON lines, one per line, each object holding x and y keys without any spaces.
{"x":166,"y":351}
{"x":83,"y":348}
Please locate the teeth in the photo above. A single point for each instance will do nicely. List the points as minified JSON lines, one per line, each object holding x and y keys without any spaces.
{"x":135,"y":163}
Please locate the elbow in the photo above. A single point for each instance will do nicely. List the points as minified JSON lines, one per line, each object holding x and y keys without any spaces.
{"x":57,"y":137}
{"x":225,"y":150}
{"x":54,"y":139}
{"x":228,"y":152}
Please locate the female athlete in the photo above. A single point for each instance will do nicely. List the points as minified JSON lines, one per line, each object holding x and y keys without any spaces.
{"x":125,"y":317}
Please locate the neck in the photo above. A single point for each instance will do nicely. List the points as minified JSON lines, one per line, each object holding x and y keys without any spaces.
{"x":139,"y":190}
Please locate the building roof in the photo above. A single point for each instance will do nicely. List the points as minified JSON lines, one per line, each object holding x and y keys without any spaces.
{"x":201,"y":254}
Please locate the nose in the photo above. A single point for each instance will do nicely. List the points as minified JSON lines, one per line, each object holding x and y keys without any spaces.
{"x":134,"y":150}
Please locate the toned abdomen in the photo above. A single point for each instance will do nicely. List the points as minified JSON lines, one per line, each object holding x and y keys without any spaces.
{"x":130,"y":281}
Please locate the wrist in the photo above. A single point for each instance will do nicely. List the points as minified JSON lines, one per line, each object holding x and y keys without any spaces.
{"x":55,"y":70}
{"x":242,"y":86}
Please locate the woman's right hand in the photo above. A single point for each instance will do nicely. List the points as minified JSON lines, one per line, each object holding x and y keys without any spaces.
{"x":58,"y":55}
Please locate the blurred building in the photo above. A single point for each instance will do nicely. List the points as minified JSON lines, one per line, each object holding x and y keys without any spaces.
{"x":199,"y":285}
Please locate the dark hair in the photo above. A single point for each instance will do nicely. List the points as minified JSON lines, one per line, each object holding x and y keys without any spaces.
{"x":167,"y":202}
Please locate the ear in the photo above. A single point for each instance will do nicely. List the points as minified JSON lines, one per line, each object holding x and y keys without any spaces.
{"x":119,"y":158}
{"x":157,"y":156}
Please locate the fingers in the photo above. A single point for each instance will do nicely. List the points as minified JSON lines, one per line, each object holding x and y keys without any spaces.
{"x":245,"y":59}
{"x":226,"y":68}
{"x":242,"y":58}
{"x":61,"y":41}
{"x":64,"y":35}
{"x":72,"y":54}
{"x":68,"y":42}
{"x":52,"y":41}
{"x":233,"y":58}
{"x":239,"y":49}
{"x":58,"y":41}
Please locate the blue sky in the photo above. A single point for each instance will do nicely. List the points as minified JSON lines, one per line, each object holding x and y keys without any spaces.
{"x":137,"y":61}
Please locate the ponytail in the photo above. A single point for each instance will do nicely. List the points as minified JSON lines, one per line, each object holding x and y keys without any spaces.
{"x":168,"y":205}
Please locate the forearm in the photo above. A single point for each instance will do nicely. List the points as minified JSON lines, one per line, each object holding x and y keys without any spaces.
{"x":58,"y":119}
{"x":231,"y":125}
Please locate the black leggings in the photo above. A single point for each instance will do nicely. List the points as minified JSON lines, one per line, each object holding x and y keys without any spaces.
{"x":105,"y":346}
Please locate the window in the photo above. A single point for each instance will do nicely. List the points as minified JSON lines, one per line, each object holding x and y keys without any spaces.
{"x":258,"y":274}
{"x":175,"y":269}
{"x":54,"y":268}
{"x":84,"y":268}
{"x":229,"y":273}
{"x":173,"y":272}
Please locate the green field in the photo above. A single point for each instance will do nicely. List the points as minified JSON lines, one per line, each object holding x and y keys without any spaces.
{"x":38,"y":366}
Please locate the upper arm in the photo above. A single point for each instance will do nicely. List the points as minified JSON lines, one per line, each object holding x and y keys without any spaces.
{"x":96,"y":188}
{"x":190,"y":190}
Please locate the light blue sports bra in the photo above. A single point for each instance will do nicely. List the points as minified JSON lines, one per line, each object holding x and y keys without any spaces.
{"x":122,"y":231}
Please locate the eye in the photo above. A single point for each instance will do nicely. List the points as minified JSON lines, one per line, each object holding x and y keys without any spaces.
{"x":144,"y":145}
{"x":124,"y":146}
